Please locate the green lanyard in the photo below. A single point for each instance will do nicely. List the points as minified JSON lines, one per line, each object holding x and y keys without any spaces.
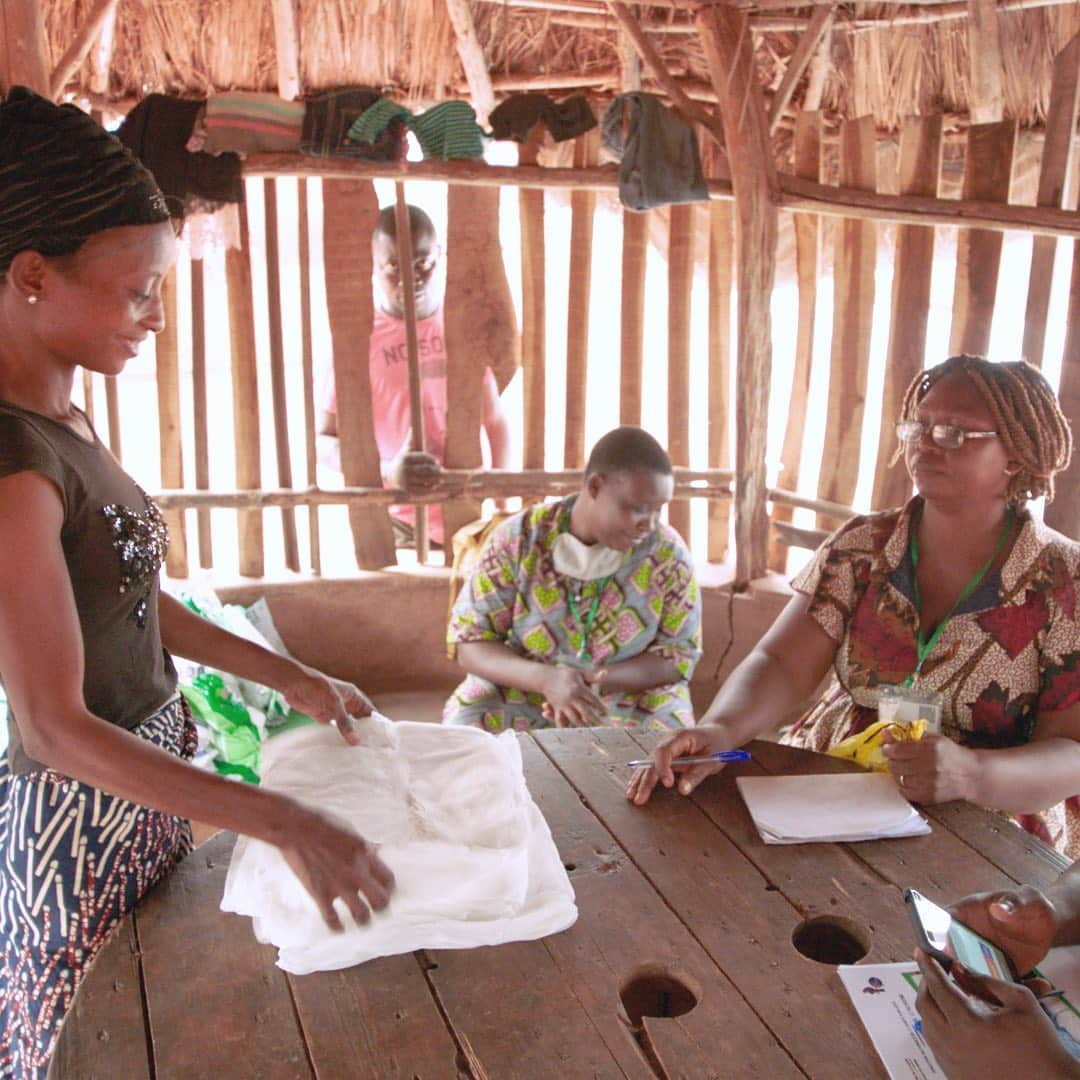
{"x":587,"y":623}
{"x":927,"y":647}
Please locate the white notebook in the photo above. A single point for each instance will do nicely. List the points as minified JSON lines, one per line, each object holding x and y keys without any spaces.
{"x":830,"y":807}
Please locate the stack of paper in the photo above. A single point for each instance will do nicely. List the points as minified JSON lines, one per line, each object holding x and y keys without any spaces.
{"x":831,"y":807}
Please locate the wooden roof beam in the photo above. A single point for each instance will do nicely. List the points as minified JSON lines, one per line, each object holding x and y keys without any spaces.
{"x":472,"y":57}
{"x":80,"y":45}
{"x":22,"y":46}
{"x":986,"y":99}
{"x":817,"y":33}
{"x":287,"y":46}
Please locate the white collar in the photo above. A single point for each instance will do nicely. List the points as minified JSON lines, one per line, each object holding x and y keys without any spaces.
{"x":586,"y":562}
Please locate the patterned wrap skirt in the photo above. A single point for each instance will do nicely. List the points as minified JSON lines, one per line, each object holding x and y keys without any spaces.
{"x":73,"y":862}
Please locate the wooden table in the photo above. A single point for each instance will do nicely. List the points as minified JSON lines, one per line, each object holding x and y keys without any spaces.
{"x":677,"y":901}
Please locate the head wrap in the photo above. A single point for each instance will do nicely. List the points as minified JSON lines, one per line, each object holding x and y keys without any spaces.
{"x":63,"y":178}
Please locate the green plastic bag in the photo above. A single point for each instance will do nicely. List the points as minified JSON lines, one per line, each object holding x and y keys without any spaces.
{"x":235,"y":737}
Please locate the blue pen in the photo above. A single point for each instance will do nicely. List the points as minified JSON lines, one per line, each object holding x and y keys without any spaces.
{"x":917,"y":1027}
{"x":725,"y":756}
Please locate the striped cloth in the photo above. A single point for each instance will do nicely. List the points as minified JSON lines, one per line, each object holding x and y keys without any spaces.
{"x":447,"y":131}
{"x":249,"y":123}
{"x":73,"y":862}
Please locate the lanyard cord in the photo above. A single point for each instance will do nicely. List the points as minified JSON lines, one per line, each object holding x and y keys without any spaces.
{"x":925,"y":647}
{"x":586,"y":624}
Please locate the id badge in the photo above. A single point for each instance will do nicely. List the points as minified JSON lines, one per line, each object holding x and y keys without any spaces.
{"x":906,"y":704}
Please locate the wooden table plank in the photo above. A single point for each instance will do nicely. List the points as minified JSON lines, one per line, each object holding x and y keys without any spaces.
{"x":204,"y":972}
{"x":111,"y":1018}
{"x":375,"y":1020}
{"x":748,"y":931}
{"x":567,"y":1018}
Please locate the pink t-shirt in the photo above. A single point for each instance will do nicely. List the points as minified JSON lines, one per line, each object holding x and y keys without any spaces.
{"x":389,"y":370}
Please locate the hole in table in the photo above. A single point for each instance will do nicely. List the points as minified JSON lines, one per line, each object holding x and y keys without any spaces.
{"x":568,"y":866}
{"x":831,"y":939}
{"x":654,"y":991}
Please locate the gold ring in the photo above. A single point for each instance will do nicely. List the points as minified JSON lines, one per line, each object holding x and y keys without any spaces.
{"x":902,"y":782}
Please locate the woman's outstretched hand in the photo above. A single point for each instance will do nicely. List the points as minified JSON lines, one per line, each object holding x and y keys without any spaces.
{"x":691,"y":742}
{"x":334,"y":863}
{"x":329,"y":700}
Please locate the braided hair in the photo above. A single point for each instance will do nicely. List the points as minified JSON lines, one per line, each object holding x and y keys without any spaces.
{"x":63,"y":178}
{"x":1027,"y":417}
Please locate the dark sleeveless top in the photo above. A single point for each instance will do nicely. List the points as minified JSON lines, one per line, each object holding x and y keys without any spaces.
{"x":114,"y":542}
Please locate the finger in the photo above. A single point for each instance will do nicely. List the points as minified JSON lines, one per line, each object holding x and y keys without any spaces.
{"x":350,"y":897}
{"x":641,"y":786}
{"x":371,"y":883}
{"x":562,"y":720}
{"x":1007,"y":994}
{"x":948,"y":997}
{"x":690,"y":777}
{"x":327,"y":911}
{"x":347,"y":728}
{"x":672,"y":747}
{"x":381,"y":872}
{"x":357,"y":703}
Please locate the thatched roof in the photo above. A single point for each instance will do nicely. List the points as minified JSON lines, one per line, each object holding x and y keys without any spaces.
{"x":880,"y":59}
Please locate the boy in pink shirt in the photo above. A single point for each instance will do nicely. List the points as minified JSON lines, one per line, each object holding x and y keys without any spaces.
{"x":389,"y":371}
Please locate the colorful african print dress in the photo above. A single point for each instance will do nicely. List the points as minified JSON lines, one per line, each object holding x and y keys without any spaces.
{"x":514,"y":595}
{"x":73,"y":862}
{"x":1010,"y":651}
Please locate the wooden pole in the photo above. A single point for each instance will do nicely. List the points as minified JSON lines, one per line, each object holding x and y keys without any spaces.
{"x":816,"y":32}
{"x":729,"y":53}
{"x":81,"y":44}
{"x":1054,"y":168}
{"x":807,"y":259}
{"x":920,"y":171}
{"x":88,"y":395}
{"x":533,"y":310}
{"x":635,"y":239}
{"x":307,"y":361}
{"x":23,"y":57}
{"x":680,"y":293}
{"x":1063,"y":513}
{"x":473,"y":61}
{"x":351,"y":211}
{"x":853,"y":315}
{"x":170,"y":425}
{"x":417,"y":439}
{"x":112,"y":410}
{"x":582,"y":209}
{"x":986,"y":95}
{"x":200,"y":403}
{"x":245,"y":387}
{"x":987,"y":175}
{"x":287,"y":48}
{"x":721,"y":261}
{"x":277,"y":370}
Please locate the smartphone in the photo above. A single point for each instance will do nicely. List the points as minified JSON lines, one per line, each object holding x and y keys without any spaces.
{"x":946,"y":939}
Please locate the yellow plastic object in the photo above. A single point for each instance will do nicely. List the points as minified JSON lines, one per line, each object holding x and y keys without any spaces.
{"x":865,"y":749}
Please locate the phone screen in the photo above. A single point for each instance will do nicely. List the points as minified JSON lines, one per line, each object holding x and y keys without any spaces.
{"x":942,"y":935}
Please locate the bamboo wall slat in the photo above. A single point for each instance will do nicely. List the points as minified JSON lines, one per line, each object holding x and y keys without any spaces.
{"x":112,"y":411}
{"x":245,"y":387}
{"x":987,"y":175}
{"x":680,"y":291}
{"x":472,"y":228}
{"x":807,"y":258}
{"x":579,"y":277}
{"x":1061,"y":119}
{"x":351,"y":210}
{"x":1063,"y":513}
{"x":307,"y":363}
{"x":199,"y":407}
{"x":635,"y":235}
{"x":853,"y":311}
{"x":277,"y":369}
{"x":721,"y":263}
{"x":533,"y":312}
{"x":920,"y":170}
{"x":167,"y":359}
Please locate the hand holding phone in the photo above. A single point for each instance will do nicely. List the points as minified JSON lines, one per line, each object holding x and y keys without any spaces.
{"x":947,"y":939}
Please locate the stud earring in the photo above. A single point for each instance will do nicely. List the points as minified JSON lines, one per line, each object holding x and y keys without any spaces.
{"x":32,"y":298}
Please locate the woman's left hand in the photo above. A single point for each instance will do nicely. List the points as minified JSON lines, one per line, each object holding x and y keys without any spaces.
{"x":328,"y":700}
{"x":972,"y":1039}
{"x":932,"y":769}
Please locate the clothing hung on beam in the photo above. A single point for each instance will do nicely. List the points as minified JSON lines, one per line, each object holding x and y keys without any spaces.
{"x":472,"y":856}
{"x":156,"y":131}
{"x":448,"y":130}
{"x":657,"y":151}
{"x":515,"y":117}
{"x":248,"y":123}
{"x":329,"y":116}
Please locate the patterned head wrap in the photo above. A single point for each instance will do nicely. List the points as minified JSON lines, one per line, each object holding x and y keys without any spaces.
{"x":63,"y":178}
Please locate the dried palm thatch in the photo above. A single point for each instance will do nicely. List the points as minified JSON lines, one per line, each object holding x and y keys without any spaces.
{"x":886,"y":68}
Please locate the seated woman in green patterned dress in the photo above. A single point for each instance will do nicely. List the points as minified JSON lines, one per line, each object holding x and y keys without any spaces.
{"x":583,"y":612}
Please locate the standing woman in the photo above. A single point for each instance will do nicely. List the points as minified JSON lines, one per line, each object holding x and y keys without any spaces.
{"x":95,"y":791}
{"x":961,"y":592}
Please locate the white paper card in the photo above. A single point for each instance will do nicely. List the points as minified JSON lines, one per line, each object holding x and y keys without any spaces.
{"x":829,"y":807}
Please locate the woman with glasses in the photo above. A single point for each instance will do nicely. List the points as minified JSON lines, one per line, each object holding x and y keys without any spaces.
{"x":961,"y":594}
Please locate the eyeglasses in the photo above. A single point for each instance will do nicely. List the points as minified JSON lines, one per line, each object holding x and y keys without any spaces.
{"x":947,"y":436}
